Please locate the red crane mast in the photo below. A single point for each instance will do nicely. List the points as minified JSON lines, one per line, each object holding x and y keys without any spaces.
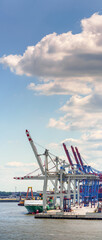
{"x":68,"y":156}
{"x":78,"y":154}
{"x":76,"y":159}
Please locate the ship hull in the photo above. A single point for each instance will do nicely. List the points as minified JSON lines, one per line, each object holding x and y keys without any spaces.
{"x":34,"y":209}
{"x":35,"y":206}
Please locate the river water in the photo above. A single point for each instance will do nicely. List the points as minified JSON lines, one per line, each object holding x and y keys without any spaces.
{"x":16,"y":224}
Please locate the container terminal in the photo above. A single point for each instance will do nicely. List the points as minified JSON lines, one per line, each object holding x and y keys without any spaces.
{"x":77,"y":186}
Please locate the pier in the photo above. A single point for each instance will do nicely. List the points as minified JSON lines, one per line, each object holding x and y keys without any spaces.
{"x":77,"y":215}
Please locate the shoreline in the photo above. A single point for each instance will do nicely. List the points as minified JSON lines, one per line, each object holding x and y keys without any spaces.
{"x":9,"y":200}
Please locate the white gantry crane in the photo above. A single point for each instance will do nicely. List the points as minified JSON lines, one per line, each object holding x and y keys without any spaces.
{"x":63,"y":176}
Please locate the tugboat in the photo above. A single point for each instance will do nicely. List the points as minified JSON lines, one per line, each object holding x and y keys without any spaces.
{"x":21,"y":202}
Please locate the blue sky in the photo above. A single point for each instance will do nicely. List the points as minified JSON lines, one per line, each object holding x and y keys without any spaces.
{"x":50,"y":75}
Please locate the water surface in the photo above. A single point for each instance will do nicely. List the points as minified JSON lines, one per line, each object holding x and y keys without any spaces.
{"x":16,"y":224}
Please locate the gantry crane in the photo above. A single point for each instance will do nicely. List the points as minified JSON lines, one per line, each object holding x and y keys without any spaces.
{"x":60,"y":176}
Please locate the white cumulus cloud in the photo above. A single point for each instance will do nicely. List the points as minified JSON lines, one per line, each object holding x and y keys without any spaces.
{"x":80,"y":113}
{"x":69,"y":64}
{"x":64,"y":60}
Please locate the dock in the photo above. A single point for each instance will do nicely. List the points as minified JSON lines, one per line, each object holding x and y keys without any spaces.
{"x":76,"y":217}
{"x":77,"y":214}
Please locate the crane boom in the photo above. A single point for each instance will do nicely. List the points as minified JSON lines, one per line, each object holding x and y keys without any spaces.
{"x":81,"y":162}
{"x":76,"y":159}
{"x":35,"y":152}
{"x":68,"y":156}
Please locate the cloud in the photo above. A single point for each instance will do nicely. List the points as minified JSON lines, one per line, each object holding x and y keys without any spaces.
{"x":83,"y":117}
{"x":93,"y":136}
{"x":69,"y":64}
{"x":90,"y":151}
{"x":61,"y":61}
{"x":61,"y":87}
{"x":80,"y":113}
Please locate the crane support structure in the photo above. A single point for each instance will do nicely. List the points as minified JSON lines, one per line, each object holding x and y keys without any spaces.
{"x":37,"y":155}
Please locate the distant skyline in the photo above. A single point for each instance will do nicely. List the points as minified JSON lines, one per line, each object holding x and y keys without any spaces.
{"x":51,"y":83}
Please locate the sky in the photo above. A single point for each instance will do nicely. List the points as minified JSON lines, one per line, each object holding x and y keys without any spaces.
{"x":50,"y":83}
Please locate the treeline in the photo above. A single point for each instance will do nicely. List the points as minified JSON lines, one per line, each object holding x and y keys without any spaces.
{"x":17,"y":194}
{"x":7,"y":194}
